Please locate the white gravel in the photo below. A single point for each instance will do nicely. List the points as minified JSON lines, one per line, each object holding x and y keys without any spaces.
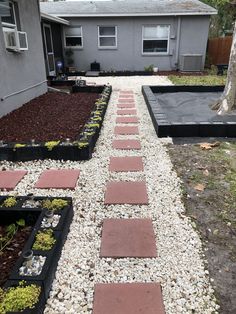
{"x":180,"y":265}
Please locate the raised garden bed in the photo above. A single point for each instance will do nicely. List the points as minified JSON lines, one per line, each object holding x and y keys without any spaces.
{"x":58,"y":138}
{"x":47,"y":221}
{"x":183,"y":111}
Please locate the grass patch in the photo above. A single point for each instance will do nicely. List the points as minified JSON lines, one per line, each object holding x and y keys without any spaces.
{"x":198,"y":80}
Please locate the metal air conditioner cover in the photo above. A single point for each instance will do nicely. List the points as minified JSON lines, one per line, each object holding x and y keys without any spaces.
{"x":191,"y":62}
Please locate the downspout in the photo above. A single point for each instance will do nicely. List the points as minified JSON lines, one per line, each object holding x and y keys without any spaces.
{"x":178,"y":43}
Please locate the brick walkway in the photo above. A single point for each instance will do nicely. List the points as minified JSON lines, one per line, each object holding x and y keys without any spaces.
{"x":122,"y":238}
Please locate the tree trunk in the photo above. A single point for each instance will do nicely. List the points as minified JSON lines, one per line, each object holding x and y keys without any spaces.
{"x":227,"y":101}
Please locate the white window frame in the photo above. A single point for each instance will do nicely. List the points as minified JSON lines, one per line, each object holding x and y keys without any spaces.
{"x":82,"y":41}
{"x":154,"y":38}
{"x":9,"y":25}
{"x":102,"y":36}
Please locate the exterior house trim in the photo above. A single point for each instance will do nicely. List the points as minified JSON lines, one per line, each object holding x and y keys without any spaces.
{"x":54,"y":18}
{"x":136,"y":14}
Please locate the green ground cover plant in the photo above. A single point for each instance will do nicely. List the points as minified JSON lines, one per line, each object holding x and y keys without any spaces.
{"x":198,"y":80}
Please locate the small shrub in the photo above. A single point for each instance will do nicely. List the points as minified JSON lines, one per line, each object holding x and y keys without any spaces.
{"x":51,"y":144}
{"x":9,"y":202}
{"x":17,"y":299}
{"x":18,"y":145}
{"x":44,"y":240}
{"x":149,"y":68}
{"x":55,"y":204}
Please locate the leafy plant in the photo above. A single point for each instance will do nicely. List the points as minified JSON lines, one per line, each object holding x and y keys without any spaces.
{"x":18,"y":145}
{"x":9,"y":202}
{"x":17,"y":299}
{"x":55,"y":204}
{"x":149,"y":68}
{"x":11,"y":230}
{"x":51,"y":144}
{"x":44,"y":240}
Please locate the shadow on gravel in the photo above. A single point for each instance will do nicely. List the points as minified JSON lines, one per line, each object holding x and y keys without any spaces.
{"x":209,"y":195}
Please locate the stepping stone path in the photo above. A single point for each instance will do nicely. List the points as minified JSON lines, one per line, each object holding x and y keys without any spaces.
{"x":123,"y":130}
{"x":126,"y":144}
{"x":58,"y":179}
{"x":126,"y":105}
{"x":128,"y":238}
{"x":9,"y":179}
{"x":128,"y":298}
{"x":127,"y":120}
{"x":127,"y":112}
{"x":123,"y":238}
{"x":119,"y":164}
{"x":126,"y":193}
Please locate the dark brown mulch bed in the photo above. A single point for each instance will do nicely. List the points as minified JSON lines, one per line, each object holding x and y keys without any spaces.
{"x":52,"y":116}
{"x":11,"y":253}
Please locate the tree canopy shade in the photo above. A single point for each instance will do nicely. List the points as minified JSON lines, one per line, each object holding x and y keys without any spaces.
{"x":224,"y":21}
{"x":227,"y":102}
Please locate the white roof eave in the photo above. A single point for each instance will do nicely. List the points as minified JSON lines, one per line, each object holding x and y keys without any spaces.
{"x":136,"y":14}
{"x":54,"y":18}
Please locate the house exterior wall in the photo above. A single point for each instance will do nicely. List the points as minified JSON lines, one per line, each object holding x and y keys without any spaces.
{"x":194,"y":36}
{"x":128,"y":55}
{"x":19,"y":71}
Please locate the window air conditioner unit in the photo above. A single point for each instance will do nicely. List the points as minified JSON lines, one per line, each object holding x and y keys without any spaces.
{"x":23,"y":42}
{"x":191,"y":62}
{"x":14,"y":40}
{"x":10,"y":37}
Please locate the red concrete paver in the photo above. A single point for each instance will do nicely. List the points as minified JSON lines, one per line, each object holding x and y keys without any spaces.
{"x":127,"y":112}
{"x":127,"y":120}
{"x":10,"y":178}
{"x":126,"y":100}
{"x":126,"y":96}
{"x":127,"y":105}
{"x":58,"y":179}
{"x":125,"y":164}
{"x":128,"y":238}
{"x":126,"y":193}
{"x":126,"y":130}
{"x":126,"y":144}
{"x":126,"y":92}
{"x":128,"y":298}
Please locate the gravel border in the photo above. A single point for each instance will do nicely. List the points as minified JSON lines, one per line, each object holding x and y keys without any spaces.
{"x":180,"y":265}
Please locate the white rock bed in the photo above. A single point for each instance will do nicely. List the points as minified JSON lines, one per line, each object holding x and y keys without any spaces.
{"x":34,"y":268}
{"x":180,"y":263}
{"x":51,"y":222}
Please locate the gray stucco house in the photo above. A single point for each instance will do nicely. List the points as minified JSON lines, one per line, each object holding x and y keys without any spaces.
{"x":133,"y":34}
{"x":22,"y":67}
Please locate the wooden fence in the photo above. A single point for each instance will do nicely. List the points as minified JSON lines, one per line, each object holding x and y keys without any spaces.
{"x":219,"y":50}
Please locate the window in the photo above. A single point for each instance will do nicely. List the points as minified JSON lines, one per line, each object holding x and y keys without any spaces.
{"x":73,"y":37}
{"x":14,"y":39}
{"x":10,"y":15}
{"x":156,"y":39}
{"x":107,"y":37}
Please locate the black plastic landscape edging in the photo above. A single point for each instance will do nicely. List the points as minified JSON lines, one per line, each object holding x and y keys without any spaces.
{"x":126,"y":73}
{"x":26,"y":151}
{"x":45,"y":278}
{"x":164,"y":127}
